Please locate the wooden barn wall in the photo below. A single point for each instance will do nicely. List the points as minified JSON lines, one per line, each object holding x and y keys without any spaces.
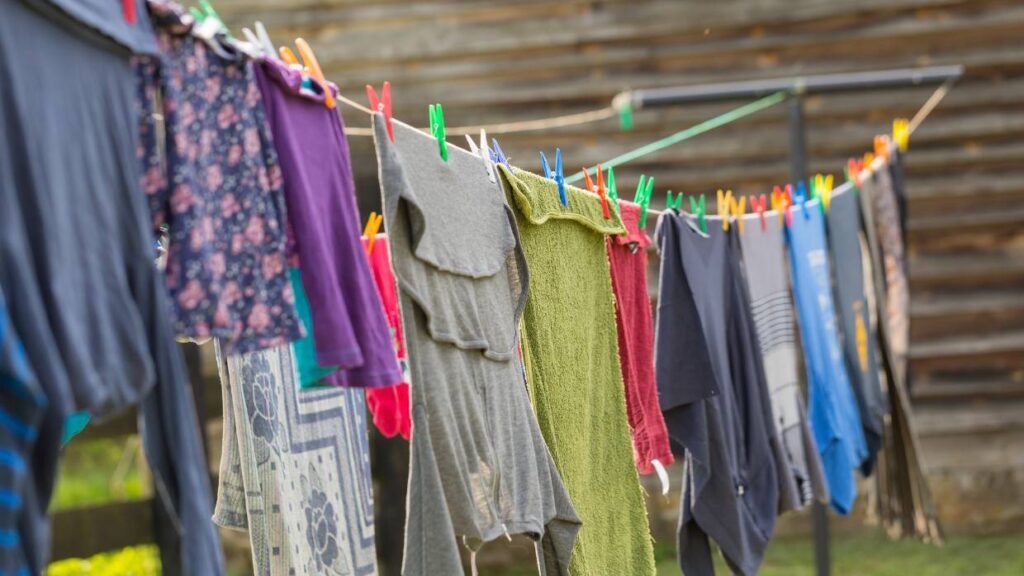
{"x":504,"y":60}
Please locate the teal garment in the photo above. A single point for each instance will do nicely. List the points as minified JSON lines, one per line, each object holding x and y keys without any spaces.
{"x":311,"y":374}
{"x":73,"y":426}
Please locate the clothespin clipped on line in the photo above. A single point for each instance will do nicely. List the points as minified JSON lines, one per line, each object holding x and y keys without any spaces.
{"x":372,"y":226}
{"x":498,"y":155}
{"x":643,"y":198}
{"x":557,"y":174}
{"x":697,"y":209}
{"x":437,"y":128}
{"x":881,"y":146}
{"x":901,"y":133}
{"x":288,"y":56}
{"x":821,"y":188}
{"x":801,"y":198}
{"x":723,"y":205}
{"x":613,"y":190}
{"x":676,"y":204}
{"x":599,"y":190}
{"x":758,"y":205}
{"x":738,"y":207}
{"x":313,"y":65}
{"x":382,"y":105}
{"x":662,"y":473}
{"x":483,"y":152}
{"x":854,"y":167}
{"x":264,"y":40}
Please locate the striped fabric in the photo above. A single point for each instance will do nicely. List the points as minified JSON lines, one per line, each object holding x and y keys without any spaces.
{"x":21,"y":406}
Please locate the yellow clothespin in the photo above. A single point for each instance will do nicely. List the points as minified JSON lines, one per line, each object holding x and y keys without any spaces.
{"x":901,"y":133}
{"x":724,"y":204}
{"x":869,"y":158}
{"x":288,"y":56}
{"x":372,"y":226}
{"x":311,"y":63}
{"x":738,"y":206}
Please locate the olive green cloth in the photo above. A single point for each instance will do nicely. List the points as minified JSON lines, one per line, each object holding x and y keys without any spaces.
{"x":570,"y":345}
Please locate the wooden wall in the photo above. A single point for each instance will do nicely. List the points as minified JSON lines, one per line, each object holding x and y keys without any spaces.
{"x":509,"y":60}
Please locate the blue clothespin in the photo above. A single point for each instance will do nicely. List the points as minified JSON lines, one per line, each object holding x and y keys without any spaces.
{"x":557,"y":175}
{"x":800,"y":198}
{"x":497,"y":155}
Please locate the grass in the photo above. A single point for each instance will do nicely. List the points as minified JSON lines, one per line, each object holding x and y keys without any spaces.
{"x":93,"y":472}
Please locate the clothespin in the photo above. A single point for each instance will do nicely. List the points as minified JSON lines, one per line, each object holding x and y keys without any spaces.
{"x":697,"y":209}
{"x":853,"y":170}
{"x":264,"y":40}
{"x":197,"y":14}
{"x":758,"y":204}
{"x":643,"y":198}
{"x":437,"y":128}
{"x":288,"y":56}
{"x":251,"y":38}
{"x":882,"y":146}
{"x":382,"y":104}
{"x":724,"y":203}
{"x":484,"y":152}
{"x":901,"y":133}
{"x":825,"y":192}
{"x":372,"y":226}
{"x":613,"y":190}
{"x":869,"y":158}
{"x":599,"y":190}
{"x":738,"y":207}
{"x":310,"y":62}
{"x":802,"y":198}
{"x":557,"y":175}
{"x":676,"y":204}
{"x":497,"y":155}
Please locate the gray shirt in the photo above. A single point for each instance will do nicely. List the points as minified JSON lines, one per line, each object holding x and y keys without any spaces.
{"x":480,"y":467}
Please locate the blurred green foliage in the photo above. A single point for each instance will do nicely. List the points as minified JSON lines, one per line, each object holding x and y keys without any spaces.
{"x":132,"y":561}
{"x":87,"y":473}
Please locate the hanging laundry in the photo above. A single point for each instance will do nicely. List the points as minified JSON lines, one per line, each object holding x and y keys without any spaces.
{"x":311,"y":373}
{"x":878,"y":197}
{"x":349,"y":327}
{"x":764,"y":265}
{"x":77,"y":269}
{"x":479,"y":467}
{"x":295,"y":469}
{"x":855,"y":322}
{"x":833,"y":409}
{"x":570,"y":347}
{"x":390,"y":405}
{"x":724,"y":419}
{"x":896,"y":176}
{"x":215,"y":182}
{"x":22,"y":404}
{"x":627,"y":258}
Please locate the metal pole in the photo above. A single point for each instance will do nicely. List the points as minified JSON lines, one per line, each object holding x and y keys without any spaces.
{"x":798,"y":173}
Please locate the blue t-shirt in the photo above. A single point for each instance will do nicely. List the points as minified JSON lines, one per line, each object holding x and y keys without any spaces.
{"x":835,"y":420}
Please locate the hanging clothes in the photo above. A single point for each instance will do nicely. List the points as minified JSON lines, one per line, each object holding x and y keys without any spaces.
{"x":311,"y":373}
{"x":855,"y":322}
{"x":879,"y":197}
{"x":570,"y":347}
{"x":295,"y":469}
{"x":389,"y":405}
{"x":22,"y":404}
{"x":77,"y":269}
{"x":479,"y":467}
{"x":214,"y":180}
{"x":764,"y":265}
{"x":627,"y":259}
{"x":721,"y":412}
{"x":833,"y":409}
{"x":349,"y":326}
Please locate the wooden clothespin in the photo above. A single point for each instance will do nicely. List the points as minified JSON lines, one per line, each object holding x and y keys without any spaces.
{"x":557,"y":175}
{"x":382,"y":105}
{"x":370,"y":231}
{"x":437,"y":129}
{"x":759,"y":204}
{"x":738,"y":207}
{"x":310,"y":62}
{"x":697,"y":209}
{"x":643,"y":198}
{"x":901,"y":133}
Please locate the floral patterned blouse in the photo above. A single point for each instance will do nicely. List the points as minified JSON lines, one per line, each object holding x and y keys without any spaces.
{"x":212,"y":178}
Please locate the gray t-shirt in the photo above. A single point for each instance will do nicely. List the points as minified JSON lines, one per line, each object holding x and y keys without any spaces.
{"x":764,"y":262}
{"x":480,"y":467}
{"x":855,"y":322}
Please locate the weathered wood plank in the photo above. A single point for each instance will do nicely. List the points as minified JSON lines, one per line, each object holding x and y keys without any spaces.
{"x":83,"y":532}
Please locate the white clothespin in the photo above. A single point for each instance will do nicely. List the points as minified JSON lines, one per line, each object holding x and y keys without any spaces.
{"x":484,"y":152}
{"x":251,"y":38}
{"x":662,"y":475}
{"x":263,"y":39}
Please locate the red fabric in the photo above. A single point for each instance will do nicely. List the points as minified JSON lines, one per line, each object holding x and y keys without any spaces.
{"x":389,"y":406}
{"x":628,"y":258}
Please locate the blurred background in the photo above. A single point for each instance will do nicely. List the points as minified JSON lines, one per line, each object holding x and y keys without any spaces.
{"x":499,"y":61}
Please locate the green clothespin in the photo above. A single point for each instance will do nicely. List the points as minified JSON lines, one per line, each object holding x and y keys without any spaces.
{"x":197,"y":14}
{"x":437,"y":129}
{"x":626,"y":116}
{"x":697,"y":209}
{"x":613,"y":190}
{"x":676,"y":204}
{"x":643,"y":198}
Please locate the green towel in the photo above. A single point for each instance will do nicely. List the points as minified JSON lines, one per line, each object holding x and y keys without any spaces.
{"x":570,"y":346}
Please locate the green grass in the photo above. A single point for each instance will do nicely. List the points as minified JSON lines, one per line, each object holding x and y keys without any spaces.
{"x":87,"y":474}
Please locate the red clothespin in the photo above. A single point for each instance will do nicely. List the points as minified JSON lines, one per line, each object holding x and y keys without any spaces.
{"x":382,"y":104}
{"x":788,"y":199}
{"x":603,"y":194}
{"x":759,"y":203}
{"x":128,"y":10}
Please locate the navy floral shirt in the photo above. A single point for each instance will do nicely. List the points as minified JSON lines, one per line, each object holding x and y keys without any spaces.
{"x":213,"y":180}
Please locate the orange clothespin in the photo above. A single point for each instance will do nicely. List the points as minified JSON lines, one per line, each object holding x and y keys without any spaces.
{"x":882,"y":147}
{"x":372,"y":226}
{"x":311,"y":63}
{"x":758,"y":204}
{"x":738,"y":206}
{"x":288,"y":56}
{"x":724,"y":204}
{"x":778,"y":201}
{"x":599,"y":190}
{"x":869,"y":158}
{"x":382,"y":105}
